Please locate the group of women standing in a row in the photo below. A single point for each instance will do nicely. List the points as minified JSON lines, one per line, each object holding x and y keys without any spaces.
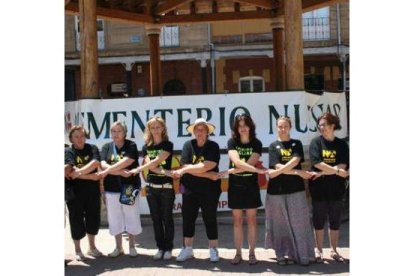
{"x":288,"y":226}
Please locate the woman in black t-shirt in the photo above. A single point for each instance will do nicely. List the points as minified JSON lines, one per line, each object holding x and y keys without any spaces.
{"x":288,"y":226}
{"x":118,"y":158}
{"x":244,"y":151}
{"x":157,"y":153}
{"x":329,"y":158}
{"x":199,"y":175}
{"x":81,"y":164}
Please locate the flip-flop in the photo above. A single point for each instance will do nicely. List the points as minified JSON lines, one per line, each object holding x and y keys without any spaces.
{"x":236,"y":260}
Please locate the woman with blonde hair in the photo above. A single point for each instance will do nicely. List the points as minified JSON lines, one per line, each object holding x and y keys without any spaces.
{"x":118,"y":158}
{"x":157,"y":153}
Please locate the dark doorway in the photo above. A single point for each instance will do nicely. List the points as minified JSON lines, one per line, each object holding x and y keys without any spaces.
{"x":174,"y":87}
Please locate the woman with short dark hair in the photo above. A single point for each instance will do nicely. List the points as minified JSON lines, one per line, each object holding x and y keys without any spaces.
{"x":81,"y":164}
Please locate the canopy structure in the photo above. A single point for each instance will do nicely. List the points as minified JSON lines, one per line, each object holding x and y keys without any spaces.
{"x":285,"y":16}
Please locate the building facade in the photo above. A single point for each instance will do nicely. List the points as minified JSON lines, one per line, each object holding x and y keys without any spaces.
{"x":225,"y":57}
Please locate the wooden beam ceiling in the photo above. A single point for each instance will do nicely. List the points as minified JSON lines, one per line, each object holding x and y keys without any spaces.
{"x":310,"y":5}
{"x":113,"y":14}
{"x":267,"y":4}
{"x":169,"y":5}
{"x":150,"y":11}
{"x":215,"y":17}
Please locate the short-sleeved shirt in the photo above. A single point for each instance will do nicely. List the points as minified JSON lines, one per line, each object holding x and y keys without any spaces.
{"x":152,"y":152}
{"x":193,"y":154}
{"x":281,"y":152}
{"x":328,"y":187}
{"x":112,"y":183}
{"x":79,"y":158}
{"x":244,"y":151}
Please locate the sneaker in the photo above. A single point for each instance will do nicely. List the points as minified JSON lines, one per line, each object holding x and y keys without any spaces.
{"x":117,"y":252}
{"x":158,"y":255}
{"x":133,"y":252}
{"x":185,"y":253}
{"x":214,"y":256}
{"x":79,"y":256}
{"x":167,"y":255}
{"x":94,"y":253}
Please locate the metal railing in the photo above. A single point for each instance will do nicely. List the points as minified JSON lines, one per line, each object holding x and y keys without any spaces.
{"x":316,"y":28}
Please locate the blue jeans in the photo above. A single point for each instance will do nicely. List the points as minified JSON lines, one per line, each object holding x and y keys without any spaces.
{"x":161,"y":202}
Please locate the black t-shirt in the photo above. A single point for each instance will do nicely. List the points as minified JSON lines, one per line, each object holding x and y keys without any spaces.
{"x":328,"y":187}
{"x":244,"y":151}
{"x":153,"y":151}
{"x":80,"y":158}
{"x":112,"y":183}
{"x":281,"y":153}
{"x":192,"y":154}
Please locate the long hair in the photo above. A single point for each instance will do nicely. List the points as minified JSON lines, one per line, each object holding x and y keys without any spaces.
{"x":248,"y":121}
{"x":148,"y":139}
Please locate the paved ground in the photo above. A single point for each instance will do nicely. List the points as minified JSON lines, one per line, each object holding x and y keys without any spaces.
{"x":200,"y":265}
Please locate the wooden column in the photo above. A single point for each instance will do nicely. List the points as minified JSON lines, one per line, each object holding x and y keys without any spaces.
{"x":153,"y":32}
{"x":89,"y":49}
{"x":294,"y":45}
{"x":277,"y":26}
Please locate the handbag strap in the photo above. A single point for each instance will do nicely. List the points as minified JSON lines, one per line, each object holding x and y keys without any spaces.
{"x":115,"y":152}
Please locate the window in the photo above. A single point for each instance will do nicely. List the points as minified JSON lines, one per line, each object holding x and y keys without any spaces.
{"x":100,"y":33}
{"x":169,"y":36}
{"x":251,"y":84}
{"x":314,"y":82}
{"x":315,"y":24}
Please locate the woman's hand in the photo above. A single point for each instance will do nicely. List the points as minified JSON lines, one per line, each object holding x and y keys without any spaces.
{"x":135,"y":171}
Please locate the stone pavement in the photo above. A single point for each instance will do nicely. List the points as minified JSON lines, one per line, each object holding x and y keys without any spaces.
{"x":200,"y":265}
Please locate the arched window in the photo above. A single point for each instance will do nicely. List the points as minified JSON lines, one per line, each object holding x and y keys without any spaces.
{"x":174,"y":87}
{"x":251,"y":84}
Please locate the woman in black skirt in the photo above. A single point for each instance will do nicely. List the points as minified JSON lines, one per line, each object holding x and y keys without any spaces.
{"x":244,"y":151}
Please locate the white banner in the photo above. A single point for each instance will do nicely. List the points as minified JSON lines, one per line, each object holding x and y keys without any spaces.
{"x":303,"y":108}
{"x":180,"y":111}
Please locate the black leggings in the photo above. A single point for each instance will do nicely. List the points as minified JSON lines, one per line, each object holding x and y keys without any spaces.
{"x":321,"y":209}
{"x":84,"y":214}
{"x":207,"y":201}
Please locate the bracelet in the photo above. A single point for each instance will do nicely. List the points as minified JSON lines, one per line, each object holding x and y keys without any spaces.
{"x":337,"y":171}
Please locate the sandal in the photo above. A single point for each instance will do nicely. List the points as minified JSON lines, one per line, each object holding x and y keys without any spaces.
{"x":318,"y":257}
{"x":290,"y":261}
{"x":281,"y":261}
{"x":337,"y":257}
{"x":236,"y":260}
{"x":252,"y":259}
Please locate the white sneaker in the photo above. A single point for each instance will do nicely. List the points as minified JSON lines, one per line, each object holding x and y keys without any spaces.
{"x":167,"y":255}
{"x":133,"y":252}
{"x":185,"y":253}
{"x":158,"y":255}
{"x":214,"y":256}
{"x":116,"y":253}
